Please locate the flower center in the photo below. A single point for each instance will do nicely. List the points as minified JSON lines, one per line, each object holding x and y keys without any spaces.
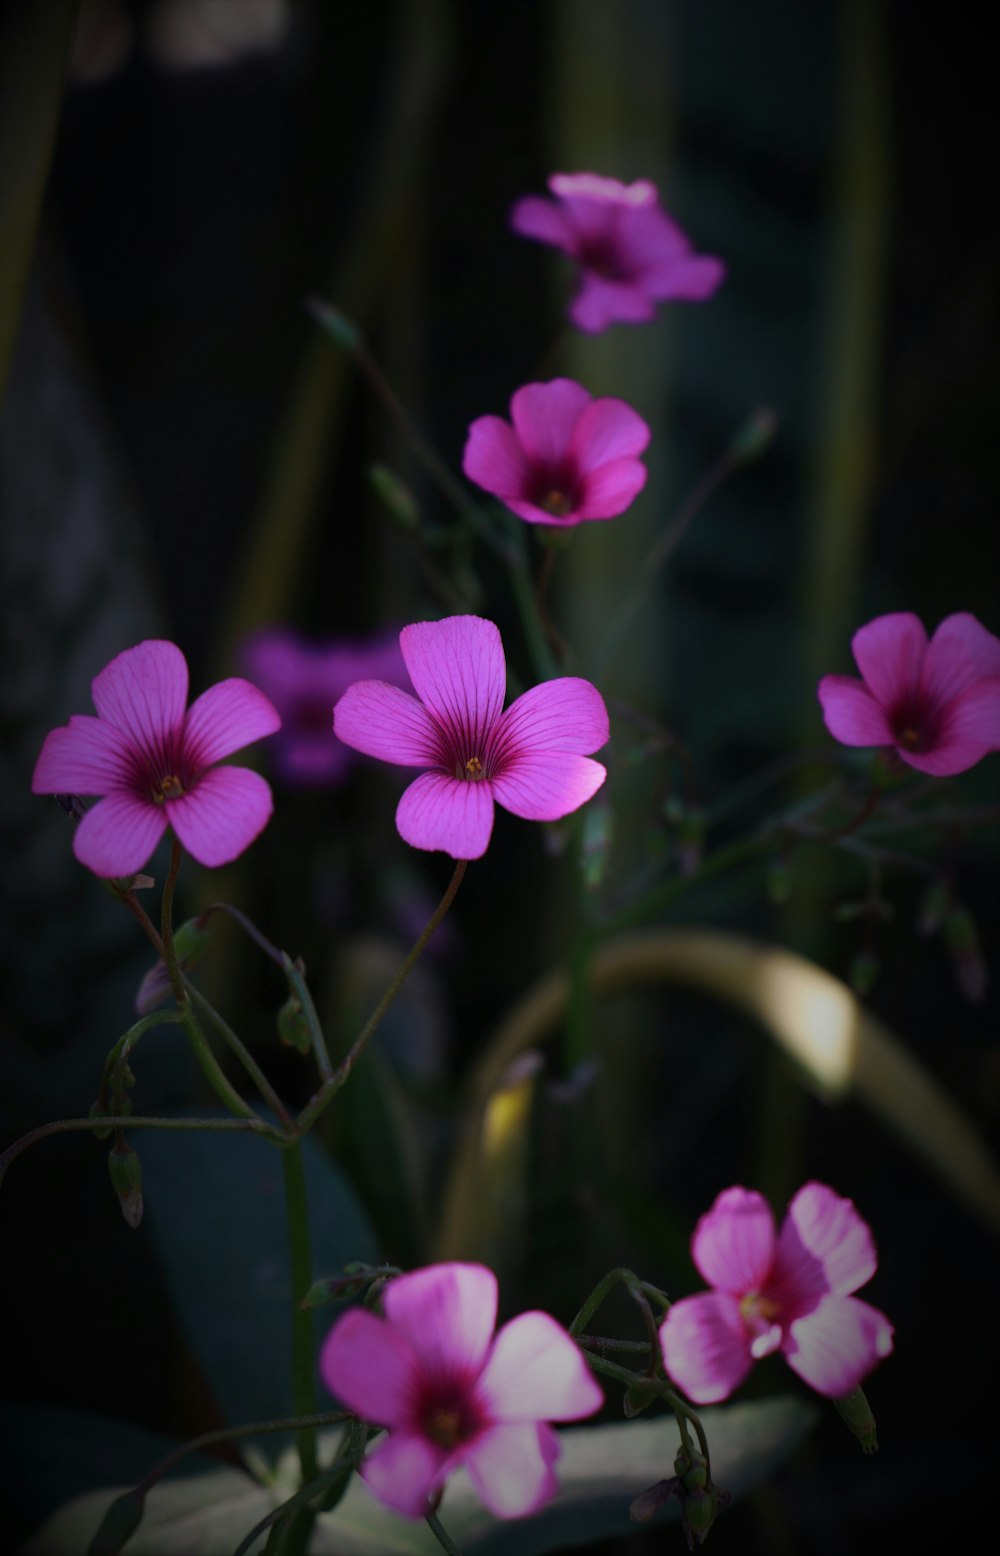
{"x":557,"y":503}
{"x":444,"y":1426}
{"x":909,"y":737}
{"x":170,"y":788}
{"x":760,"y":1315}
{"x":474,"y":769}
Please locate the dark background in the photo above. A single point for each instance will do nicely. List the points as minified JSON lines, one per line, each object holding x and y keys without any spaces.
{"x":172,"y":405}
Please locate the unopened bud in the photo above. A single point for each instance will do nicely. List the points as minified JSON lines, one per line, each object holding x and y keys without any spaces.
{"x":637,"y":1399}
{"x":933,"y":908}
{"x":754,"y":436}
{"x":126,"y":1179}
{"x":598,"y":826}
{"x":395,"y":496}
{"x":118,"y":1525}
{"x":648,"y":1503}
{"x":190,"y":942}
{"x":863,"y":972}
{"x":293,"y":1028}
{"x":962,"y":937}
{"x":855,"y":1410}
{"x":97,"y":1111}
{"x":699,"y":1514}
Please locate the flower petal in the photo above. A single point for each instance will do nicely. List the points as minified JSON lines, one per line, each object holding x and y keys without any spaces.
{"x":86,"y":756}
{"x":546,"y":785}
{"x":384,"y":721}
{"x":828,"y":1228}
{"x":118,"y":835}
{"x":494,"y":458}
{"x":371,"y":1367}
{"x":511,"y":1467}
{"x":404,"y":1470}
{"x":969,"y":730}
{"x":535,"y":1372}
{"x":691,"y":278}
{"x":437,"y":812}
{"x":609,"y":491}
{"x":706,"y":1349}
{"x":600,"y":303}
{"x":447,"y":1313}
{"x":458,"y":671}
{"x":536,"y":217}
{"x":545,"y":417}
{"x":567,"y":714}
{"x":143,"y":692}
{"x":960,"y":653}
{"x":835,"y":1347}
{"x":220,"y":817}
{"x":890,"y":653}
{"x":851,"y":713}
{"x":225,"y":718}
{"x":733,"y":1243}
{"x":608,"y":429}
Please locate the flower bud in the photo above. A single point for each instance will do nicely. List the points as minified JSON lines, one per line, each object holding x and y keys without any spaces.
{"x":643,"y":1507}
{"x":754,"y":436}
{"x":126,"y":1178}
{"x":395,"y":496}
{"x":637,"y":1399}
{"x":118,"y":1525}
{"x":933,"y":908}
{"x":855,"y":1410}
{"x":293,"y":1028}
{"x":962,"y":937}
{"x":598,"y":825}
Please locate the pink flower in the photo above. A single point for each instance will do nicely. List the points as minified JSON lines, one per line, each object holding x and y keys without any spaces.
{"x":938,"y":703}
{"x":631,"y":254}
{"x":567,"y":457}
{"x":789,"y":1293}
{"x":154,"y":763}
{"x":453,"y":1394}
{"x":533,"y":759}
{"x":304,"y":680}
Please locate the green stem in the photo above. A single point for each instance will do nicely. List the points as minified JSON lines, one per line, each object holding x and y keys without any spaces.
{"x":655,"y":903}
{"x":167,"y":925}
{"x":305,"y":999}
{"x":241,"y":1052}
{"x":298,"y":1503}
{"x":544,"y":660}
{"x":217,"y":1079}
{"x":442,"y":1536}
{"x":311,"y":1112}
{"x":303,"y":1322}
{"x":101,"y":1121}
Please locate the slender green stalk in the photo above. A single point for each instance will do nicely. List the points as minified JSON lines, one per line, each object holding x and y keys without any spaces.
{"x":102,"y":1121}
{"x":442,"y":1536}
{"x":303,"y":1323}
{"x":240,"y":1051}
{"x":655,"y":903}
{"x":298,"y":1503}
{"x":315,"y":1106}
{"x":305,"y":999}
{"x":167,"y":925}
{"x":544,"y":660}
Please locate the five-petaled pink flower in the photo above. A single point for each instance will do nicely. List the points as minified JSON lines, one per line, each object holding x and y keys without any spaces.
{"x":938,"y":703}
{"x":789,"y":1292}
{"x":154,"y":763}
{"x":452,"y":1394}
{"x":567,"y":457}
{"x":534,"y":759}
{"x":304,"y":680}
{"x":631,"y":254}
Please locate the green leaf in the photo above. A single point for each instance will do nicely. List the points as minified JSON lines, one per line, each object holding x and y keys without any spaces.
{"x":216,"y":1210}
{"x":601,"y":1470}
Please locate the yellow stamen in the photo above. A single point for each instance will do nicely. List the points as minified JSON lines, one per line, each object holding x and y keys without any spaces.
{"x":443,"y":1427}
{"x":556,"y":503}
{"x":170,"y":788}
{"x":474,"y":768}
{"x":910,"y":738}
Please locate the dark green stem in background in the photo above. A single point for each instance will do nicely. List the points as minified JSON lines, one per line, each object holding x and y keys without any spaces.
{"x":303,"y":1337}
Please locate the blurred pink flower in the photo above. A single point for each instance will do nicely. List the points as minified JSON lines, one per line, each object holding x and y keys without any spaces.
{"x":938,"y":703}
{"x":304,"y":680}
{"x":154,"y":764}
{"x":789,"y":1293}
{"x":533,"y":759}
{"x":567,"y":457}
{"x":630,"y":253}
{"x":452,"y":1393}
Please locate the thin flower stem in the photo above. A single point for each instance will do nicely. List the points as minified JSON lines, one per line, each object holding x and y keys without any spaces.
{"x":544,"y":661}
{"x":249,"y":928}
{"x":305,"y":999}
{"x":216,"y":1077}
{"x":233,"y":1434}
{"x":441,"y":1535}
{"x":560,"y":647}
{"x":109,"y":1121}
{"x":311,"y":1112}
{"x":600,"y":1342}
{"x":655,"y":903}
{"x":249,"y":1063}
{"x":303,"y":1323}
{"x":286,"y":1510}
{"x":167,"y":924}
{"x":617,"y":1277}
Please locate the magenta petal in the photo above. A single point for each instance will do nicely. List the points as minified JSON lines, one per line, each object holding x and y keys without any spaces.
{"x":545,"y":416}
{"x":403,"y":1470}
{"x":458,"y":670}
{"x":447,"y":1312}
{"x":608,"y":429}
{"x":706,"y":1350}
{"x":535,"y":1372}
{"x":220,"y":817}
{"x":143,"y":692}
{"x":384,"y":721}
{"x":87,"y":756}
{"x":511,"y":1467}
{"x":851,"y":713}
{"x":733,"y":1243}
{"x":494,"y":458}
{"x":960,"y":653}
{"x":546,"y":785}
{"x":536,"y":217}
{"x":226,"y":718}
{"x":692,"y":278}
{"x":829,"y":1229}
{"x":370,"y":1367}
{"x":448,"y":814}
{"x":118,"y":834}
{"x":600,"y":303}
{"x":890,"y":653}
{"x":835,"y":1347}
{"x":567,"y":714}
{"x":609,"y":491}
{"x":969,"y":730}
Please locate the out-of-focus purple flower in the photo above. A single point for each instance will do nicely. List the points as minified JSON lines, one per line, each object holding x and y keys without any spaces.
{"x":937,"y":702}
{"x":631,"y":254}
{"x":304,"y":680}
{"x":790,"y":1293}
{"x":454,"y":1394}
{"x":534,"y":759}
{"x":567,"y":456}
{"x":153,"y":763}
